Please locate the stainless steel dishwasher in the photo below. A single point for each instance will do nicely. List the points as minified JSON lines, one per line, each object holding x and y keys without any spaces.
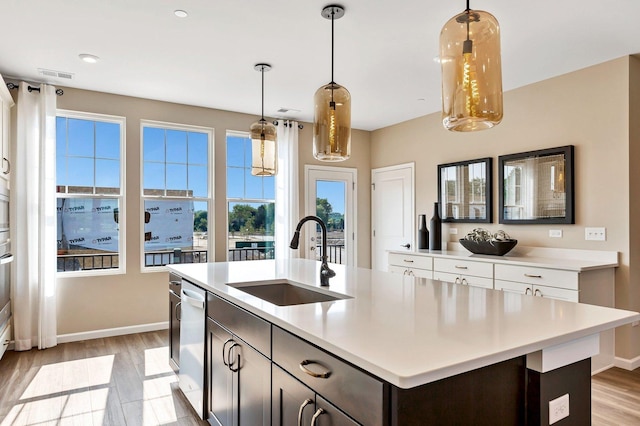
{"x":192,"y":335}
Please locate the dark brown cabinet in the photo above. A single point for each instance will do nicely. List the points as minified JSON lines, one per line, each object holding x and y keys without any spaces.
{"x":294,"y":404}
{"x":239,"y":377}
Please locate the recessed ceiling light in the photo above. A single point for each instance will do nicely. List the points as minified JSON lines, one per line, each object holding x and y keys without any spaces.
{"x":90,"y":59}
{"x":180,"y":13}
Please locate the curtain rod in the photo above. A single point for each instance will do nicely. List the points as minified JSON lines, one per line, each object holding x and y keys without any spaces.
{"x":300,"y":126}
{"x":12,"y":86}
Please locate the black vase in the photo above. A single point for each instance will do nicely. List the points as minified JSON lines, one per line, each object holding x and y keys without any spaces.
{"x":423,"y":232}
{"x":435,"y":236}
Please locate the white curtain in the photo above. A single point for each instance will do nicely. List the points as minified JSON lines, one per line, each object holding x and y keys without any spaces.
{"x":33,"y":219}
{"x":287,"y":198}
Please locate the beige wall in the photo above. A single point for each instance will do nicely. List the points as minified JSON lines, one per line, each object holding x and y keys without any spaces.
{"x":588,"y":109}
{"x":109,"y":301}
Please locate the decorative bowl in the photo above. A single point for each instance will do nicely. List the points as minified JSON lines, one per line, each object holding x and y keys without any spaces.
{"x":495,"y":248}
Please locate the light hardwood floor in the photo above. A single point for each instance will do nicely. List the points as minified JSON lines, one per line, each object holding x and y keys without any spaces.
{"x":126,"y":380}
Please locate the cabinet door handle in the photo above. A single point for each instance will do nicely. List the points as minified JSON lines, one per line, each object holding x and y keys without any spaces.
{"x":532,"y":276}
{"x":302,"y":407}
{"x":528,"y":291}
{"x":317,"y":414}
{"x":457,"y":281}
{"x":8,"y":166}
{"x":411,"y":273}
{"x":175,"y":311}
{"x":537,"y":293}
{"x":461,"y":267}
{"x":224,"y":354}
{"x":407,"y":246}
{"x":407,"y":260}
{"x":303,"y":367}
{"x":464,"y":281}
{"x":230,"y":359}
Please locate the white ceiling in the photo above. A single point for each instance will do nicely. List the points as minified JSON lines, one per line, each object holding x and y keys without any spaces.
{"x":384,"y":54}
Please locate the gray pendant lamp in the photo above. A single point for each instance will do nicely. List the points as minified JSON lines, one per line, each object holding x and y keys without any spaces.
{"x":264,"y":150}
{"x":471,"y":71}
{"x":332,"y":117}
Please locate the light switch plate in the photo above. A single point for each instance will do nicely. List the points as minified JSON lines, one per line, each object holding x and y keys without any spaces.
{"x":453,"y":231}
{"x":595,"y":234}
{"x":555,"y":233}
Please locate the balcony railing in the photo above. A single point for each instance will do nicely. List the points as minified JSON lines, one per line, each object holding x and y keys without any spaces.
{"x":97,"y":261}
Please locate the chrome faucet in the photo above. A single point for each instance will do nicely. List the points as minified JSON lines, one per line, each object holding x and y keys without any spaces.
{"x":325,"y":271}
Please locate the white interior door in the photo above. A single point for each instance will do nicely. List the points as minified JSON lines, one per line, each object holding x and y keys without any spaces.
{"x":330,"y":194}
{"x":392,"y":212}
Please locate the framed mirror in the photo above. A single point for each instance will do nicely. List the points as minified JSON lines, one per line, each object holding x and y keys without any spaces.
{"x":464,"y":191}
{"x":537,"y":186}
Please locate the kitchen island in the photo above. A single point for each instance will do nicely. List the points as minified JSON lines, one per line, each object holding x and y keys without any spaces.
{"x":433,"y":346}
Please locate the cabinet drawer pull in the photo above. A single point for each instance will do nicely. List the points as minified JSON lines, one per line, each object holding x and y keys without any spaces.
{"x":302,"y":407}
{"x":460,"y":267}
{"x":407,"y":260}
{"x":317,"y":414}
{"x":306,"y":362}
{"x":532,"y":276}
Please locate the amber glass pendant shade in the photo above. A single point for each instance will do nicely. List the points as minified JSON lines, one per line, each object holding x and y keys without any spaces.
{"x":332,"y":123}
{"x":263,"y":149}
{"x":471,"y":72}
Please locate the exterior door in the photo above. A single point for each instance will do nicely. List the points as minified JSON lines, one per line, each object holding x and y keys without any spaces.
{"x":331,"y":192}
{"x":392,"y":212}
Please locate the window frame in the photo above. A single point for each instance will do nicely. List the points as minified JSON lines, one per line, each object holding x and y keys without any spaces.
{"x":210,"y":199}
{"x":228,"y":200}
{"x":122,"y":223}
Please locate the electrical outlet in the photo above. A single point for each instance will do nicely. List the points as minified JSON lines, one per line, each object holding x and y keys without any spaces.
{"x":555,"y":233}
{"x":453,"y":231}
{"x":558,"y":408}
{"x":595,"y":234}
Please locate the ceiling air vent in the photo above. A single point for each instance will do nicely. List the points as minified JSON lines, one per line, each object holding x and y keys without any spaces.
{"x":284,"y":110}
{"x":55,"y":74}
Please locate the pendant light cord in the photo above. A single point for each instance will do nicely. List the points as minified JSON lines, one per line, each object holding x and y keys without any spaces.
{"x":332,"y":15}
{"x":262,"y":72}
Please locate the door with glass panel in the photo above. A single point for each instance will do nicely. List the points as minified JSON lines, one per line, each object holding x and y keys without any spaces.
{"x":330,"y":195}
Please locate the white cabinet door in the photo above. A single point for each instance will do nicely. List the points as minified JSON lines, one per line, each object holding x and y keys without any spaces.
{"x":463,"y":279}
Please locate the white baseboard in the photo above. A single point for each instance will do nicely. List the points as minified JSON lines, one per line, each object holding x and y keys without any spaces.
{"x":110,"y":332}
{"x":627,"y":364}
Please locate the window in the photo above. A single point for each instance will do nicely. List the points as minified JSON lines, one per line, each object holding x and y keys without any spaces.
{"x":90,"y":194}
{"x":251,"y":204}
{"x":176,"y":193}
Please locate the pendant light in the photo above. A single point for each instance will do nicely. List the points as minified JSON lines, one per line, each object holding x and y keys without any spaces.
{"x":471,"y":71}
{"x":332,"y":120}
{"x":264,"y":154}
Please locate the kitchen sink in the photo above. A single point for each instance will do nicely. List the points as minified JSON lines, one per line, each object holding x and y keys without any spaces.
{"x":283,"y":293}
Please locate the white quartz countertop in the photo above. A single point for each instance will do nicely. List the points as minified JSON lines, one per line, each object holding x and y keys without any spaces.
{"x":405,"y":330}
{"x":569,"y":260}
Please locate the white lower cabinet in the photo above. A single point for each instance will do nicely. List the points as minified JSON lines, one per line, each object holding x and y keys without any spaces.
{"x":539,"y":282}
{"x":463,"y":279}
{"x":411,"y":264}
{"x":537,"y":290}
{"x":477,"y":274}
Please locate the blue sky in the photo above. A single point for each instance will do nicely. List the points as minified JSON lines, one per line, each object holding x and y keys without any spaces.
{"x":173,"y":159}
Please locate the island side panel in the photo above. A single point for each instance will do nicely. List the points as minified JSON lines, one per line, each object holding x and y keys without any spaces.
{"x":573,"y":379}
{"x":493,"y":395}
